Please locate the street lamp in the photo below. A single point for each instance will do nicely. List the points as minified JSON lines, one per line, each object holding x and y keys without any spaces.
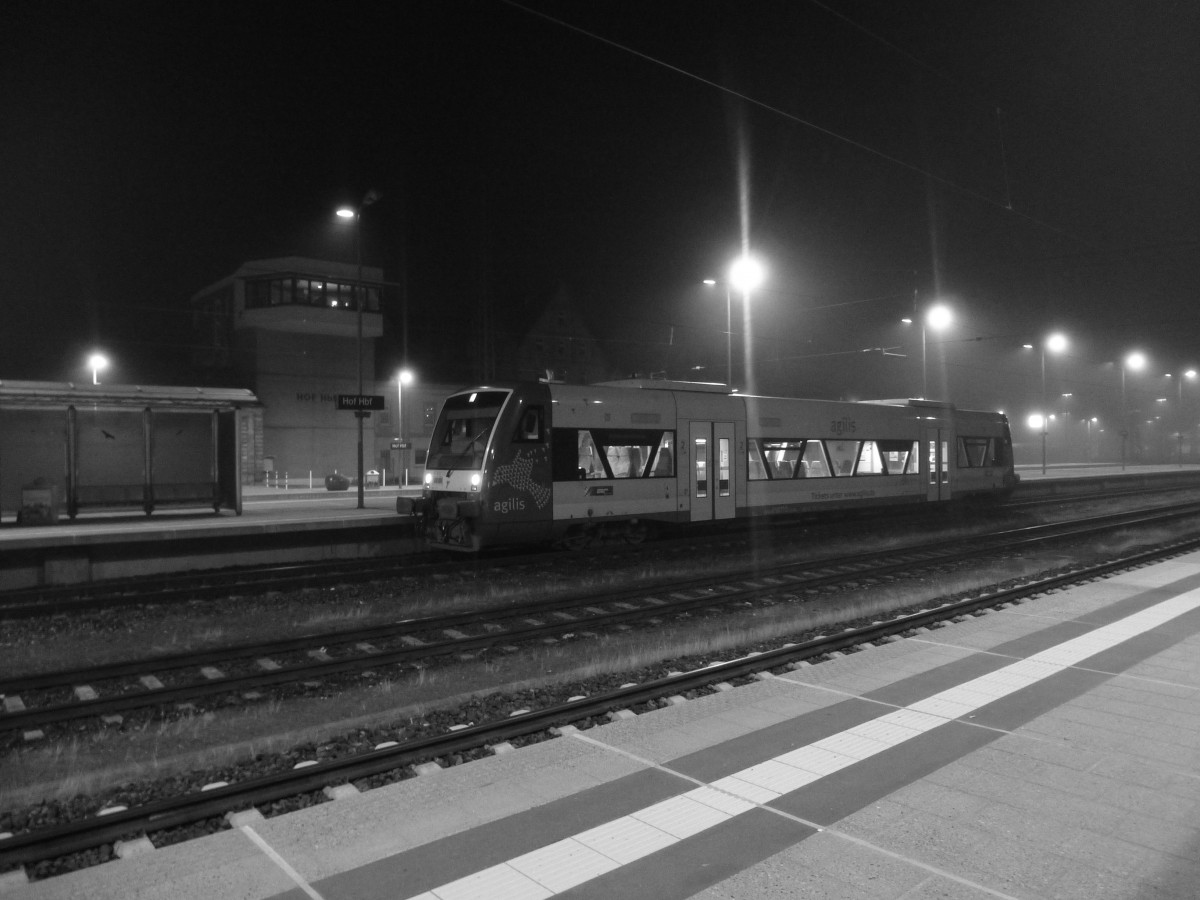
{"x":1190,"y":374}
{"x":728,"y":335}
{"x":936,"y":317}
{"x":96,"y":362}
{"x":1135,"y":361}
{"x":745,"y":275}
{"x":403,"y":377}
{"x":1055,"y":343}
{"x":355,"y":213}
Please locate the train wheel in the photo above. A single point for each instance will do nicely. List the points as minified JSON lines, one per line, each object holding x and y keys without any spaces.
{"x":637,"y":532}
{"x":577,"y":539}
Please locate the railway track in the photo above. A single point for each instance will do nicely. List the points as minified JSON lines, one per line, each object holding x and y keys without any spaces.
{"x":184,"y":587}
{"x":397,"y":759}
{"x":164,"y":683}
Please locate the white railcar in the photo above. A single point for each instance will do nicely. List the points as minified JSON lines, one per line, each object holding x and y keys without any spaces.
{"x":529,"y":462}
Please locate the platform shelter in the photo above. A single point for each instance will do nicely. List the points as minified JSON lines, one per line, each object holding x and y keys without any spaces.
{"x":69,"y":447}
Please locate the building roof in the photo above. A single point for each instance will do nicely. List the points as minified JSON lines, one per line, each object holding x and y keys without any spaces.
{"x":41,"y":394}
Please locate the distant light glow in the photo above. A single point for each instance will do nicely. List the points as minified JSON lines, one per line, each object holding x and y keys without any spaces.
{"x":746,"y":273}
{"x":906,"y":320}
{"x":1056,"y":343}
{"x":96,"y":362}
{"x":1135,"y":361}
{"x":938,"y":317}
{"x":346,"y":213}
{"x":710,"y":281}
{"x":1036,"y":421}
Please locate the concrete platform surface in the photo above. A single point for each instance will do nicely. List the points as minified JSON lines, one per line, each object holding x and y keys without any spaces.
{"x":1047,"y":750}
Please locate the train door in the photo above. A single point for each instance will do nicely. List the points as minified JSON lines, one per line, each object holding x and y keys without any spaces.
{"x":712,"y":481}
{"x":937,"y":453}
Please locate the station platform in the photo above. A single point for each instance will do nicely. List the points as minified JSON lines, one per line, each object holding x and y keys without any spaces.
{"x":1045,"y":750}
{"x":275,"y":526}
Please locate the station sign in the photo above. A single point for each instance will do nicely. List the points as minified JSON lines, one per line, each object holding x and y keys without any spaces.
{"x":360,"y":402}
{"x":401,"y":445}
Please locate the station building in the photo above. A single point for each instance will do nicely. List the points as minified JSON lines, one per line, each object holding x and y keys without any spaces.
{"x":287,"y":329}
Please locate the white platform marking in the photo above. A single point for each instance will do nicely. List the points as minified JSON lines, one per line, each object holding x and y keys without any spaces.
{"x":577,"y":859}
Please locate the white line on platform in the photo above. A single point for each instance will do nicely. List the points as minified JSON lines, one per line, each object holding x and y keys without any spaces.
{"x":579,"y":858}
{"x":281,"y":862}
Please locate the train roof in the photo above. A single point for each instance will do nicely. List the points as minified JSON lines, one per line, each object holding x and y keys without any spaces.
{"x":662,"y":384}
{"x":711,"y":388}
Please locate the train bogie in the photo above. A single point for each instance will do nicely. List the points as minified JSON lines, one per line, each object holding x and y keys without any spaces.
{"x":525,"y":462}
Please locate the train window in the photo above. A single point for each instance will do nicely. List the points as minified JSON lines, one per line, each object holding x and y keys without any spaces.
{"x":755,"y":468}
{"x":870,"y":462}
{"x":529,"y":428}
{"x":608,"y":453}
{"x":701,"y":456}
{"x":723,"y":467}
{"x":974,"y":452}
{"x":782,"y":458}
{"x":464,"y":429}
{"x":567,"y":461}
{"x":664,"y":458}
{"x":842,"y":455}
{"x":899,"y":457}
{"x":939,"y":462}
{"x":814,"y":463}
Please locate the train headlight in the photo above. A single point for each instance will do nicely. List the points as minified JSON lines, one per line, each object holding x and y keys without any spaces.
{"x":476,"y":480}
{"x":428,"y":479}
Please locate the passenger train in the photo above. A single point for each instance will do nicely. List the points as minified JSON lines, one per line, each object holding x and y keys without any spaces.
{"x":572,"y":464}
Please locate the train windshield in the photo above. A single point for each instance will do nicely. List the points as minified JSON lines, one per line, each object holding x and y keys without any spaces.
{"x":463,"y":429}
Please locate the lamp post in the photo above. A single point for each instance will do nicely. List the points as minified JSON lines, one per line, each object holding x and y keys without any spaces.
{"x":1055,"y":343}
{"x":96,"y":362}
{"x":355,"y":213}
{"x":745,"y":275}
{"x":1190,"y":374}
{"x":728,"y":334}
{"x":403,"y":377}
{"x":1135,"y":361}
{"x":936,"y":317}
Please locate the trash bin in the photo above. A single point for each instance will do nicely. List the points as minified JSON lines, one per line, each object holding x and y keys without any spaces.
{"x":336,"y":482}
{"x":372,"y":478}
{"x":39,"y":504}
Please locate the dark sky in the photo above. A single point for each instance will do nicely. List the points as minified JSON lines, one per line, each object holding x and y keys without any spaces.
{"x":1034,"y":163}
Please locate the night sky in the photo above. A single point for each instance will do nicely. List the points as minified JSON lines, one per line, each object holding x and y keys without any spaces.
{"x":1034,"y":164}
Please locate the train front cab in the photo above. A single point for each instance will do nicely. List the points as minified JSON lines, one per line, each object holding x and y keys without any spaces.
{"x":487,"y":478}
